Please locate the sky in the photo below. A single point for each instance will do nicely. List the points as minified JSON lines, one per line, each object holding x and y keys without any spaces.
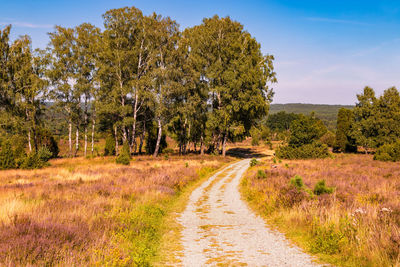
{"x":325,"y":52}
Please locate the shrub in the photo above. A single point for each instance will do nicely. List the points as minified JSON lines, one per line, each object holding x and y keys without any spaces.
{"x":326,"y":239}
{"x":44,"y":154}
{"x":253,"y":162}
{"x":7,"y":158}
{"x":261,"y":174}
{"x":32,"y":161}
{"x":320,"y":188}
{"x":328,"y":139}
{"x":125,"y":155}
{"x":109,"y":149}
{"x":309,"y":151}
{"x":297,"y":182}
{"x":388,"y":152}
{"x":46,"y":139}
{"x":255,"y":136}
{"x":290,"y":196}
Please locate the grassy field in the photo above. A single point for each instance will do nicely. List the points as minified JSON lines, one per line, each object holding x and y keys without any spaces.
{"x":93,"y":212}
{"x":358,"y":224}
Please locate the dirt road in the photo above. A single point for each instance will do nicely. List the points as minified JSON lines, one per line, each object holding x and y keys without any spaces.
{"x":219,"y":228}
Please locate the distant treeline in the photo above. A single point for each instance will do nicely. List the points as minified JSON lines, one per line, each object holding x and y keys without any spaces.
{"x":327,"y":113}
{"x":373,"y":124}
{"x":137,"y":79}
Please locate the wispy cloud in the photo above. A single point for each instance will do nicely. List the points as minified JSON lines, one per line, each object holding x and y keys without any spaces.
{"x":341,"y":21}
{"x":22,"y":24}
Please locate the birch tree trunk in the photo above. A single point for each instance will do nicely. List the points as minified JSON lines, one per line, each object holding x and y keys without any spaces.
{"x":93,"y":127}
{"x":116,"y":140}
{"x":70,"y":137}
{"x":85,"y":141}
{"x":134,"y":124}
{"x":29,"y":141}
{"x":158,"y":138}
{"x":77,"y":141}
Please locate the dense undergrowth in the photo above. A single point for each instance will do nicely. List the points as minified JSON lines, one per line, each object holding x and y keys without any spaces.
{"x":346,"y":210}
{"x":92,"y":212}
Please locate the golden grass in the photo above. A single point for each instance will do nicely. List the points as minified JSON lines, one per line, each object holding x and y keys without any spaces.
{"x":93,"y":212}
{"x":357,"y":225}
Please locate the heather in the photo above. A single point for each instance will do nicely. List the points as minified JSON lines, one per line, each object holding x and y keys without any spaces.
{"x":345,"y":209}
{"x":92,"y":212}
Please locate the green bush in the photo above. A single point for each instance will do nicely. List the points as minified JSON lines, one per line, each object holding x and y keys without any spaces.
{"x":321,"y":188}
{"x":255,"y":134}
{"x":261,"y":174}
{"x":124,"y":157}
{"x":253,"y":162}
{"x":44,"y":154}
{"x":109,"y":149}
{"x":309,"y":151}
{"x":7,"y":158}
{"x":326,"y":240}
{"x":46,"y":139}
{"x":297,"y":182}
{"x":388,"y":152}
{"x":32,"y":161}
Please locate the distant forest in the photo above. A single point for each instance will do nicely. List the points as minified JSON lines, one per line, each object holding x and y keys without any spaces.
{"x":326,"y":113}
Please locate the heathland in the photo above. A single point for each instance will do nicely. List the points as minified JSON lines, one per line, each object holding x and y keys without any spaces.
{"x":93,"y":211}
{"x":345,"y":208}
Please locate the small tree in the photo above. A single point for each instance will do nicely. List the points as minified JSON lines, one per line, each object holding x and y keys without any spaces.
{"x":109,"y":149}
{"x":344,"y":142}
{"x":7,"y":160}
{"x":124,"y":157}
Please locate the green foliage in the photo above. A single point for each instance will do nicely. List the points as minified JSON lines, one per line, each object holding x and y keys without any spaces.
{"x":328,"y":139}
{"x":321,"y":188}
{"x":377,"y":120}
{"x":253,"y":162}
{"x":388,"y":152}
{"x":255,"y":134}
{"x":7,"y":160}
{"x":309,"y":151}
{"x":44,"y":154}
{"x":109,"y":149}
{"x":124,"y":157}
{"x":32,"y":161}
{"x":326,"y":113}
{"x":281,"y":121}
{"x":297,"y":182}
{"x":139,"y":233}
{"x":306,"y":130}
{"x":344,"y":141}
{"x":152,"y":140}
{"x":46,"y":139}
{"x":326,"y":240}
{"x":261,"y":174}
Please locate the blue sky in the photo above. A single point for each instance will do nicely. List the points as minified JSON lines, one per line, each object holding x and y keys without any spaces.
{"x":325,"y":51}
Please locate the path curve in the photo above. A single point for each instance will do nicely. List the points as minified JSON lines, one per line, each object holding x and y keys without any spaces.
{"x":220,"y":229}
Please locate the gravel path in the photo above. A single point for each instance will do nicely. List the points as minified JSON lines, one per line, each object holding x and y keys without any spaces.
{"x":219,"y":228}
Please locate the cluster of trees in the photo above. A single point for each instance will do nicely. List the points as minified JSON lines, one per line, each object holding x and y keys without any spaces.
{"x":304,"y":142}
{"x":137,"y":79}
{"x":373,"y":124}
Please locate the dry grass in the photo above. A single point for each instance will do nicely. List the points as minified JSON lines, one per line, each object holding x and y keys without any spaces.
{"x":357,"y":225}
{"x":92,"y":212}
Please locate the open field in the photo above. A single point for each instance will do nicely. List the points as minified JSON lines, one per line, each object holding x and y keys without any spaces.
{"x":356,"y":225}
{"x":92,"y":212}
